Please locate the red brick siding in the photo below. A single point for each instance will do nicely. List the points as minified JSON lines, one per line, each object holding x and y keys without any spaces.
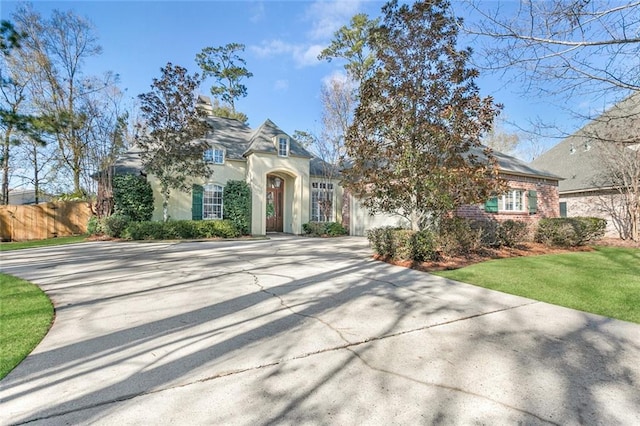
{"x":548,"y":201}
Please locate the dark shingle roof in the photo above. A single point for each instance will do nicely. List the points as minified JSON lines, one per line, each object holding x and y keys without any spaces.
{"x":511,"y":165}
{"x":262,"y":140}
{"x":578,"y":158}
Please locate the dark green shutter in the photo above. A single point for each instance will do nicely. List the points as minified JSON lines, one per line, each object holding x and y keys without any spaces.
{"x":533,"y":201}
{"x":563,"y":209}
{"x":196,"y":202}
{"x":491,"y":206}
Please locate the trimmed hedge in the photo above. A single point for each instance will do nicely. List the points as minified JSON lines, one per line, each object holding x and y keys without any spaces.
{"x":403,"y":244}
{"x":181,"y":229}
{"x":237,"y":205}
{"x":508,"y":233}
{"x":570,"y":231}
{"x":320,"y":229}
{"x":133,"y":197}
{"x":115,"y":225}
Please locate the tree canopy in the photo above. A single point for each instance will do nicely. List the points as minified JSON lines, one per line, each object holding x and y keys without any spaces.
{"x":414,"y":144}
{"x":169,"y":137}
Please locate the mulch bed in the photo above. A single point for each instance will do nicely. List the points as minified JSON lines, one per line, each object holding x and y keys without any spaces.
{"x":525,"y":249}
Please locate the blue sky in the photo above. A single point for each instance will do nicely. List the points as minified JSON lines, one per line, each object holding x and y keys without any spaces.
{"x":282,"y":38}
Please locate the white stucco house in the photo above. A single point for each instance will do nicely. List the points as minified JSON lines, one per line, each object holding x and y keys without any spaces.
{"x":291,"y":187}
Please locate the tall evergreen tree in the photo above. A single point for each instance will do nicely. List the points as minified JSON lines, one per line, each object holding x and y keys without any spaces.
{"x":168,"y":139}
{"x":415,"y":140}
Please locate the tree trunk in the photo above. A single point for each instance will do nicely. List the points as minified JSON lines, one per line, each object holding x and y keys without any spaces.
{"x":165,"y":203}
{"x":5,"y":165}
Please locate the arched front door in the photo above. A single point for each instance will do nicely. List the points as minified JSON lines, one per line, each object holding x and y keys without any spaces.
{"x":275,"y":191}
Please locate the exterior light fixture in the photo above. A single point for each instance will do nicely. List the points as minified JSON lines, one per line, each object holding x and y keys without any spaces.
{"x":277,"y":182}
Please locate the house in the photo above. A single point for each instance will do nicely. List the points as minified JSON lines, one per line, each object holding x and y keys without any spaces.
{"x":290,"y":186}
{"x":532,"y":194}
{"x":26,"y":196}
{"x":585,"y":159}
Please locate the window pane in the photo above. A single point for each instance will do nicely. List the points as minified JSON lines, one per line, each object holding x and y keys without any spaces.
{"x":282,"y":147}
{"x":208,"y":156}
{"x":218,"y":156}
{"x":212,"y":202}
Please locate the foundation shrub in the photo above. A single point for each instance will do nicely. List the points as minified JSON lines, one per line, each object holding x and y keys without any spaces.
{"x":181,"y":229}
{"x":457,"y":236}
{"x":570,"y":231}
{"x":321,"y":229}
{"x":115,"y":224}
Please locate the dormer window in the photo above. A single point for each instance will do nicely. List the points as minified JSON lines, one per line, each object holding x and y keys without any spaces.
{"x":283,"y":146}
{"x":214,"y":156}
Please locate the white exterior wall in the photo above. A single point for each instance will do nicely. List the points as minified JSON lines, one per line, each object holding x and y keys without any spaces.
{"x":180,"y":202}
{"x":362,"y":220}
{"x":295,"y":173}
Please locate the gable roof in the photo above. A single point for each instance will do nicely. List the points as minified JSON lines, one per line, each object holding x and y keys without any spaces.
{"x":513,"y":166}
{"x":262,"y":140}
{"x":237,"y":139}
{"x":578,"y":158}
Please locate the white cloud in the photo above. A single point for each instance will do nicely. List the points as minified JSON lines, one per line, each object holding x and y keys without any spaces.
{"x":303,"y":55}
{"x":272,"y":48}
{"x":281,"y":85}
{"x":308,"y":56}
{"x":256,"y":12}
{"x":326,"y":16}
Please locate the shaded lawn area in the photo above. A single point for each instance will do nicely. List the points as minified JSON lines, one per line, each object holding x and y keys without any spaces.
{"x":605,"y":281}
{"x":26,"y":314}
{"x":42,"y":243}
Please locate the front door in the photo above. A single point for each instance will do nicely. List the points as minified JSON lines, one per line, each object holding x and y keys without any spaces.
{"x":274,"y":203}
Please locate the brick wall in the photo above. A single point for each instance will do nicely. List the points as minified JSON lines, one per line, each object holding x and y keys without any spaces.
{"x":606,"y":205}
{"x":548,"y":201}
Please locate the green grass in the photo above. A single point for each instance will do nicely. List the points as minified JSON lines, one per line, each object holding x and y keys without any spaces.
{"x":42,"y":243}
{"x":26,"y":314}
{"x":605,"y":281}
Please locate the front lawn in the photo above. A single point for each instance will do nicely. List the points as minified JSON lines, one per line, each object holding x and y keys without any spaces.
{"x":42,"y":243}
{"x":26,"y":314}
{"x":605,"y":281}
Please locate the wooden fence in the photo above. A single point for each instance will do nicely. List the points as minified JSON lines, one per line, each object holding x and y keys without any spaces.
{"x":46,"y":220}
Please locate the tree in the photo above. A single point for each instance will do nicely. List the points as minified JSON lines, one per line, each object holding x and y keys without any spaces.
{"x":59,"y":46}
{"x":227,"y":112}
{"x":226,"y":66}
{"x":576,"y":48}
{"x":168,"y":139}
{"x":9,"y":37}
{"x":498,"y":139}
{"x":415,"y":144}
{"x":562,"y":47}
{"x":352,"y":43}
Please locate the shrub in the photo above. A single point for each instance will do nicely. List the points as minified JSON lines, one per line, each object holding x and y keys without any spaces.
{"x":424,"y":246}
{"x":334,"y":229}
{"x":403,"y":244}
{"x":570,"y":231}
{"x":115,"y":224}
{"x":94,"y":226}
{"x":512,"y":232}
{"x":318,"y":229}
{"x":181,"y":229}
{"x":133,"y":197}
{"x":382,"y":241}
{"x":456,"y":236}
{"x":237,"y":205}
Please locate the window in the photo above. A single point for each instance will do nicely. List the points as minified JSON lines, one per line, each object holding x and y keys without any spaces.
{"x":283,"y":147}
{"x":512,"y":201}
{"x":321,"y":202}
{"x":212,"y":202}
{"x":214,"y":155}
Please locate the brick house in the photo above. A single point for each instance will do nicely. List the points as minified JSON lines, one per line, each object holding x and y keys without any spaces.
{"x":583,"y":158}
{"x":532,"y":194}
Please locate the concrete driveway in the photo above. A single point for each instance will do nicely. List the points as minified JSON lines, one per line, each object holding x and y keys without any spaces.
{"x":304,"y":331}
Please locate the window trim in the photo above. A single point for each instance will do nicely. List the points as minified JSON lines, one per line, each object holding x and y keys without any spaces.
{"x":503,"y":200}
{"x":212,"y":159}
{"x":212,"y":187}
{"x":287,"y":142}
{"x":317,"y":188}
